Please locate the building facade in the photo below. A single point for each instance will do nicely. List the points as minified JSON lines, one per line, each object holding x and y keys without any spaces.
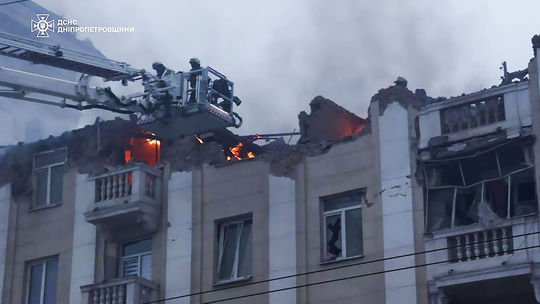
{"x":425,"y":201}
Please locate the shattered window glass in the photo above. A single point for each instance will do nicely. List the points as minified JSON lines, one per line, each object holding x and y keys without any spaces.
{"x":444,"y":174}
{"x":512,"y":158}
{"x":342,"y":236}
{"x":439,"y":208}
{"x":48,"y":177}
{"x":234,"y":250}
{"x":498,"y":184}
{"x":467,"y":200}
{"x":523,"y":193}
{"x":480,"y":168}
{"x":333,"y":236}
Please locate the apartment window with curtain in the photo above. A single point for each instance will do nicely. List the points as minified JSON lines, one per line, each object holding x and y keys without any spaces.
{"x":234,"y":256}
{"x":342,"y":226}
{"x":49,"y":177}
{"x":136,"y":259}
{"x":42,"y":281}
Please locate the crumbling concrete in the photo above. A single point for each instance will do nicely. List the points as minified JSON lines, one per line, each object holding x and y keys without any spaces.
{"x":328,"y":121}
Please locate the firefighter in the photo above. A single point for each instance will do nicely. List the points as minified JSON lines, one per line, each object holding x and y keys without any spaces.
{"x":195,"y":65}
{"x":161,"y":69}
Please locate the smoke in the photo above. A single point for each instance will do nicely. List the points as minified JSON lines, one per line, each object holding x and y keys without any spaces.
{"x":281,"y":53}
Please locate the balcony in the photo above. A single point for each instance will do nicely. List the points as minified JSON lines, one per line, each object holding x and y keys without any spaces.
{"x":127,"y":199}
{"x":477,"y":253}
{"x":460,"y":118}
{"x":133,"y":290}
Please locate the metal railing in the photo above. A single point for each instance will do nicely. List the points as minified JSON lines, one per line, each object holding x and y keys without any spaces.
{"x":133,"y":290}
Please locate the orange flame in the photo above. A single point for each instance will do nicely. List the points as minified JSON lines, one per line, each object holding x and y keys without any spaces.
{"x":199,"y":139}
{"x":236,"y":152}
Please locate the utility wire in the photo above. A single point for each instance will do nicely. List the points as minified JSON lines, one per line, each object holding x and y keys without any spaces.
{"x":13,"y":2}
{"x":345,"y":278}
{"x":346,"y":266}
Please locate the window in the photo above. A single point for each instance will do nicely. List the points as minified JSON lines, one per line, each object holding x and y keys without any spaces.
{"x":42,"y":276}
{"x":49,"y":177}
{"x":234,"y":250}
{"x":137,"y":259}
{"x":482,"y":188}
{"x":342,"y":220}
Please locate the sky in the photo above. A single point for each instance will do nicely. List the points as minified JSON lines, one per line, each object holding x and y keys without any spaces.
{"x":283,"y":53}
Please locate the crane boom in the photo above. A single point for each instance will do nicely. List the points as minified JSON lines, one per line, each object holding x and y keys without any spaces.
{"x":171,"y":104}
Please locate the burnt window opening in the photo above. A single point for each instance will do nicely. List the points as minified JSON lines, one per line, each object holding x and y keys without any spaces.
{"x":495,"y":185}
{"x":475,"y":114}
{"x":142,"y":149}
{"x":342,"y":235}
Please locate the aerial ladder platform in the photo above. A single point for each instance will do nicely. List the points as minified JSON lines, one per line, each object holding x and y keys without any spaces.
{"x":173,"y":104}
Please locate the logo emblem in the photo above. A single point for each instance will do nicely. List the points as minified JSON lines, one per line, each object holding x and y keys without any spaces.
{"x":42,"y":25}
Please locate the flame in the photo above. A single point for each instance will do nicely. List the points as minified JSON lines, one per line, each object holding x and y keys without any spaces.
{"x":237,"y":153}
{"x":199,"y":139}
{"x":236,"y":150}
{"x":153,"y":141}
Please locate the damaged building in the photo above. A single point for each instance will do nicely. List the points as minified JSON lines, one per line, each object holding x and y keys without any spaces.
{"x":426,"y":200}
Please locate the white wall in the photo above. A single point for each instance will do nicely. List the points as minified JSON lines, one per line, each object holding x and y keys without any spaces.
{"x":282,"y":238}
{"x":179,"y":216}
{"x":430,"y":126}
{"x":398,"y":233}
{"x":84,"y":239}
{"x":5,"y":198}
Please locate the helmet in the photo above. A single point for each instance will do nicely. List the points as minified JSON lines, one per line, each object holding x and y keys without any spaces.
{"x":156,"y":64}
{"x":195,"y":60}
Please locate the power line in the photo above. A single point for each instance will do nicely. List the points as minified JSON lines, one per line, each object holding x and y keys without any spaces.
{"x":345,"y":278}
{"x":340,"y":267}
{"x":13,"y":2}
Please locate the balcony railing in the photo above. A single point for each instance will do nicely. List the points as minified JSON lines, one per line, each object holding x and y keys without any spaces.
{"x":133,"y":290}
{"x":472,"y":115}
{"x":137,"y":181}
{"x":474,"y":250}
{"x":480,"y":244}
{"x":127,"y":199}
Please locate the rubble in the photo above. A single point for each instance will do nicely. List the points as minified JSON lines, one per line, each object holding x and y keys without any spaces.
{"x":328,"y":121}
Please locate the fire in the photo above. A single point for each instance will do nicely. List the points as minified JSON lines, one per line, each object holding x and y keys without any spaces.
{"x":199,"y":139}
{"x":238,"y":154}
{"x":153,"y":141}
{"x":236,"y":150}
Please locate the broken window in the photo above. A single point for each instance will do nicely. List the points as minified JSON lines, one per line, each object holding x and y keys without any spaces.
{"x":42,"y":280}
{"x":494,"y":185}
{"x":472,"y":115}
{"x":342,"y":220}
{"x":234,"y":260}
{"x":143,"y":150}
{"x":49,"y":177}
{"x":136,"y":259}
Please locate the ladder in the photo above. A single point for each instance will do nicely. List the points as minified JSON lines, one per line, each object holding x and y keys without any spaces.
{"x":54,"y":55}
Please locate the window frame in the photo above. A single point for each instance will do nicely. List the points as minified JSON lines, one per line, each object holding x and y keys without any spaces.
{"x":34,"y":205}
{"x":508,"y":177}
{"x":139,"y":257}
{"x":28,"y":278}
{"x":343,"y":233}
{"x":221,"y":225}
